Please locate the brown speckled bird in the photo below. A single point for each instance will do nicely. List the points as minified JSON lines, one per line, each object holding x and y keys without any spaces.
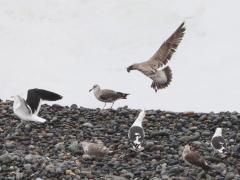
{"x":94,"y":149}
{"x":161,"y":78}
{"x":194,"y":158}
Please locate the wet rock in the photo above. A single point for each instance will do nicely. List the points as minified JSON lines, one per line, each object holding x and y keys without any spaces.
{"x":8,"y":157}
{"x":87,"y":124}
{"x":50,"y":168}
{"x":73,"y":106}
{"x":185,"y":139}
{"x":51,"y":150}
{"x":206,"y":133}
{"x":127,"y":174}
{"x":74,"y":147}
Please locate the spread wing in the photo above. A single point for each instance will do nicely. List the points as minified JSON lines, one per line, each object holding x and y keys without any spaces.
{"x":165,"y":52}
{"x":35,"y":95}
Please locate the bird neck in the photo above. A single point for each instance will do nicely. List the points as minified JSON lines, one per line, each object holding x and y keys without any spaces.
{"x":185,"y":152}
{"x":97,"y":90}
{"x":218,"y":132}
{"x":139,"y":120}
{"x":16,"y":102}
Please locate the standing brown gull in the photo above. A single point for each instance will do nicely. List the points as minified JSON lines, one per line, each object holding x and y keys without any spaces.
{"x":107,"y":95}
{"x":194,"y":158}
{"x":161,"y":78}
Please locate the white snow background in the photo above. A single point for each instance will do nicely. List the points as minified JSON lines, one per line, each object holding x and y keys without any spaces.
{"x":67,"y":46}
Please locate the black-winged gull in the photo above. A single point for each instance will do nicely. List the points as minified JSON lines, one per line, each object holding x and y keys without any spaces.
{"x":107,"y":95}
{"x":28,"y":110}
{"x":218,"y":143}
{"x":136,"y":133}
{"x":161,"y":78}
{"x":194,"y":158}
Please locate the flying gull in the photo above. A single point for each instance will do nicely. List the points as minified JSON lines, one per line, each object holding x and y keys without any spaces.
{"x":28,"y":110}
{"x":136,"y":133}
{"x":107,"y":95}
{"x":94,"y":149}
{"x":194,"y":158}
{"x":161,"y":78}
{"x":218,"y":143}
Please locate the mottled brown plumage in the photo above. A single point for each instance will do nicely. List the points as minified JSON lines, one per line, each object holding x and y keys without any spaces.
{"x":161,"y":78}
{"x":107,"y":95}
{"x":194,"y":158}
{"x":95,"y":149}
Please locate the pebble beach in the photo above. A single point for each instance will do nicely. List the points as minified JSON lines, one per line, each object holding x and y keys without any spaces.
{"x":52,"y":150}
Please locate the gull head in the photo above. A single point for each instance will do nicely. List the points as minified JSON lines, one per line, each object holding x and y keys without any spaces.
{"x":218,"y":132}
{"x":95,"y":87}
{"x":132,"y":67}
{"x":84,"y":145}
{"x":15,"y":98}
{"x":186,"y":149}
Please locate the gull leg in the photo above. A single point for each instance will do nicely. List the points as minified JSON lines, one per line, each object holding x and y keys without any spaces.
{"x":112,"y":105}
{"x":213,"y":153}
{"x":104,"y":105}
{"x":19,"y":125}
{"x":16,"y":130}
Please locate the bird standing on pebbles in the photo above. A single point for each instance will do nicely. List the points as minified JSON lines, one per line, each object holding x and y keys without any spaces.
{"x":107,"y":95}
{"x":194,"y":158}
{"x":161,"y":78}
{"x":28,"y":110}
{"x":218,"y":143}
{"x":94,"y":149}
{"x":136,"y":133}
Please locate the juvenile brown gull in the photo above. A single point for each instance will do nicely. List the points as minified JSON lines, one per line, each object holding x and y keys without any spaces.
{"x":94,"y":149}
{"x":161,"y":78}
{"x":107,"y":95}
{"x":194,"y":158}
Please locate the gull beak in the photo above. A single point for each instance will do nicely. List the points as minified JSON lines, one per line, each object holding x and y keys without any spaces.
{"x":129,"y":68}
{"x":90,"y":90}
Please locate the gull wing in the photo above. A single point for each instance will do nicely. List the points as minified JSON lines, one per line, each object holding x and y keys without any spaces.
{"x":196,"y":159}
{"x":165,"y":52}
{"x":35,"y":95}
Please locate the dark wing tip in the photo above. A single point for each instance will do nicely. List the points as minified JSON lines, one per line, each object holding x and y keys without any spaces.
{"x":182,"y":26}
{"x":181,"y":29}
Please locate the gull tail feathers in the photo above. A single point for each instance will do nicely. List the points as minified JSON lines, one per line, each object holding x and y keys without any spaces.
{"x":37,"y":119}
{"x":163,"y":79}
{"x":122,"y":95}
